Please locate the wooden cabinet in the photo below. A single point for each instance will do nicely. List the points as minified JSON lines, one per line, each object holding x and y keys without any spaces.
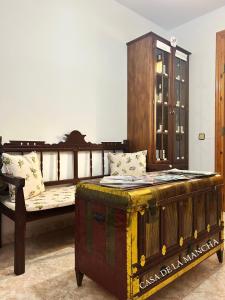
{"x":158,"y":101}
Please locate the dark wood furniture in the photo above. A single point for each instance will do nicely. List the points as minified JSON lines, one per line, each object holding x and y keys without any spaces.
{"x":73,"y":143}
{"x":124,"y":239}
{"x":158,"y":101}
{"x":220,"y":107}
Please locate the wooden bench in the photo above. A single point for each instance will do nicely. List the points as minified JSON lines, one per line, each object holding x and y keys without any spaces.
{"x":74,"y":143}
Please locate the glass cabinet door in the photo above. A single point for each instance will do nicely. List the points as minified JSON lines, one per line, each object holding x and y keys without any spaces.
{"x":162,"y":92}
{"x":180,"y":106}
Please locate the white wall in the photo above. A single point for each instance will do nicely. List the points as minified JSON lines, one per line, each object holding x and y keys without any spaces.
{"x":63,"y":67}
{"x":199,"y":37}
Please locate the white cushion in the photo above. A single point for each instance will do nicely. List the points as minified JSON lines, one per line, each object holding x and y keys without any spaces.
{"x":28,"y":167}
{"x":132,"y":164}
{"x":52,"y":197}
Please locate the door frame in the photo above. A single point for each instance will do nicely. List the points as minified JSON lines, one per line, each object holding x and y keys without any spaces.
{"x":220,"y":107}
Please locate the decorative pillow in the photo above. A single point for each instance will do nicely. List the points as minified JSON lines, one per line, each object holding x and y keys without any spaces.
{"x":133,"y":164}
{"x":26,"y":166}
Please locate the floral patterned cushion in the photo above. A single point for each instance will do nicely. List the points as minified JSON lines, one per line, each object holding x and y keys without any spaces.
{"x":26,"y":166}
{"x":133,"y":164}
{"x":52,"y":197}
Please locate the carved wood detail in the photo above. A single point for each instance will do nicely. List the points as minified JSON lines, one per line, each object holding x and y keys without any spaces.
{"x":74,"y":142}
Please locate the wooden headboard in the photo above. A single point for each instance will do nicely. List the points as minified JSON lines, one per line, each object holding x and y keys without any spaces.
{"x":74,"y":143}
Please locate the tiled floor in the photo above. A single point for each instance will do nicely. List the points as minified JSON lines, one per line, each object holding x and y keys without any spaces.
{"x":50,"y":275}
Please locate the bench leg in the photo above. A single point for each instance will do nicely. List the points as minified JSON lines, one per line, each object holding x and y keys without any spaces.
{"x":0,"y":229}
{"x":79,"y":277}
{"x":220,"y":256}
{"x":19,"y":251}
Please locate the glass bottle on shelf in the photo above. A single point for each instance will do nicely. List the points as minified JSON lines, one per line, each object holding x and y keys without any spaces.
{"x":159,"y":64}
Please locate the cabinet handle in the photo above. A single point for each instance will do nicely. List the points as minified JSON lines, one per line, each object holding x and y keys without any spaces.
{"x":99,"y":217}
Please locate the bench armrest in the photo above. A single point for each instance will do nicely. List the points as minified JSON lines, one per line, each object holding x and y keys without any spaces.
{"x":18,"y":182}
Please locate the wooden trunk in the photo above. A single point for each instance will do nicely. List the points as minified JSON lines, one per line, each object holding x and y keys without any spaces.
{"x":135,"y":252}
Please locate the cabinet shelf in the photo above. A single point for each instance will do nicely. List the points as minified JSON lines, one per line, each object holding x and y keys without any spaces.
{"x":160,"y":161}
{"x":180,"y":80}
{"x":162,"y":103}
{"x":162,"y":132}
{"x":166,"y":76}
{"x":179,"y":106}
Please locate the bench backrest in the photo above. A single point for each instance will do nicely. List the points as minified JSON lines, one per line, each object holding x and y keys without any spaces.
{"x":73,"y":143}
